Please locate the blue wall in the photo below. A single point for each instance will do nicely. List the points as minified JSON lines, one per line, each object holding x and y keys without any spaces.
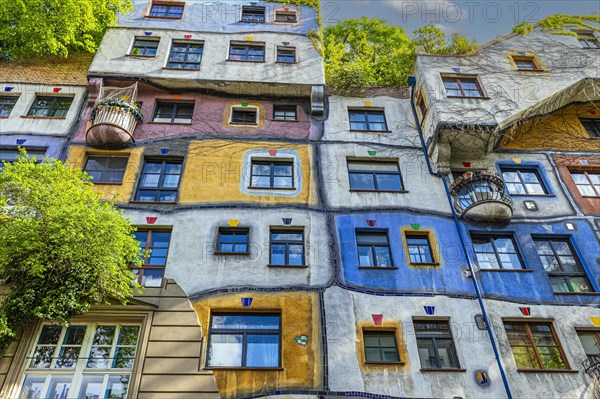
{"x":54,"y":145}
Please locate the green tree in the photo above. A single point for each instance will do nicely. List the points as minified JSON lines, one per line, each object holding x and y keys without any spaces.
{"x":61,"y":248}
{"x":55,"y":27}
{"x":433,"y":41}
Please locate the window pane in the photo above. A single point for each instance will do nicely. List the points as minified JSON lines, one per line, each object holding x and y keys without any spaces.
{"x":243,"y":322}
{"x":117,"y":387}
{"x":225,"y":350}
{"x":427,"y":353}
{"x":104,"y":335}
{"x":98,"y":358}
{"x":59,"y":387}
{"x":284,"y":236}
{"x":129,"y":335}
{"x":517,"y":335}
{"x":32,"y":387}
{"x":365,"y":256}
{"x":590,"y":343}
{"x":42,"y":358}
{"x":91,"y":387}
{"x":277,"y":254}
{"x":525,"y":357}
{"x":447,"y":356}
{"x":263,"y":351}
{"x":124,"y":358}
{"x":373,"y":354}
{"x":50,"y":335}
{"x":296,"y":255}
{"x":152,"y":277}
{"x":360,"y":181}
{"x":551,"y":358}
{"x":388,"y":182}
{"x":383,"y":256}
{"x":379,"y":239}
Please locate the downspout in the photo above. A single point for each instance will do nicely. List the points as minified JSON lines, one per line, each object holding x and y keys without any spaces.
{"x":412,"y":83}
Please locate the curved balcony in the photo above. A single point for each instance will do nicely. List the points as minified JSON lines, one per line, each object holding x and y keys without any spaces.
{"x":479,"y":197}
{"x":113,"y":123}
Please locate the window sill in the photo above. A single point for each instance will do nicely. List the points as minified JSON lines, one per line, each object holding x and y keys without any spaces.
{"x":169,"y":123}
{"x":470,"y":98}
{"x":287,"y":266}
{"x":271,"y":188}
{"x":286,"y":63}
{"x":231,"y":253}
{"x":532,"y":70}
{"x":507,"y":270}
{"x":283,"y":120}
{"x":103,"y":183}
{"x":243,"y":124}
{"x":378,"y":268}
{"x":578,"y":293}
{"x":448,"y":370}
{"x":252,"y":22}
{"x":384,"y":363}
{"x":3,"y":117}
{"x":379,"y":191}
{"x":423,"y":264}
{"x":172,"y":18}
{"x":180,"y":69}
{"x":42,"y":117}
{"x":140,"y":56}
{"x":246,"y":368}
{"x":153,"y":203}
{"x":548,"y":371}
{"x":532,"y":195}
{"x":251,"y":61}
{"x":370,"y":131}
{"x":582,"y":196}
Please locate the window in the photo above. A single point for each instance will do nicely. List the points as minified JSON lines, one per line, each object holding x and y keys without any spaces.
{"x":419,"y":248}
{"x":588,"y":40}
{"x":284,"y":113}
{"x":174,"y":112}
{"x":159,"y":181}
{"x":286,"y":55}
{"x":153,"y":269}
{"x":590,"y":340}
{"x":374,"y":176}
{"x":233,"y":241}
{"x":144,"y":47}
{"x":496,"y":252}
{"x":244,"y":340}
{"x":82,"y":360}
{"x":435,"y":344}
{"x":562,"y":265}
{"x":9,"y":154}
{"x":380,"y":346}
{"x":244,"y":116}
{"x":106,"y":169}
{"x":525,"y":64}
{"x":364,"y":120}
{"x":272,"y":174}
{"x":166,"y":10}
{"x":373,"y":248}
{"x":535,"y":346}
{"x":588,"y":183}
{"x":56,"y":107}
{"x":288,"y":17}
{"x":247,"y":52}
{"x":7,"y":103}
{"x":253,"y":14}
{"x":185,"y":55}
{"x":287,"y":247}
{"x":591,"y":126}
{"x":523,"y":181}
{"x":421,"y":106}
{"x":462,"y":87}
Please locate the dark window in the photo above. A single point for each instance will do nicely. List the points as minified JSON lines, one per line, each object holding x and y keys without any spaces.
{"x":287,"y":248}
{"x":361,"y":119}
{"x":272,"y":174}
{"x":106,"y":169}
{"x":144,"y":47}
{"x":419,"y":248}
{"x":562,"y":265}
{"x":51,"y":106}
{"x":159,"y":181}
{"x":381,"y":347}
{"x":247,"y":52}
{"x":435,"y":344}
{"x":174,"y":112}
{"x":588,"y":183}
{"x":592,"y":127}
{"x":590,"y":340}
{"x":523,"y":181}
{"x":185,"y":55}
{"x":373,"y":248}
{"x":374,"y":176}
{"x":535,"y":346}
{"x":462,"y":87}
{"x":163,"y":10}
{"x":421,"y":106}
{"x":153,"y":269}
{"x":9,"y":154}
{"x":588,"y":40}
{"x":286,"y":54}
{"x":525,"y":64}
{"x":284,"y":113}
{"x":7,"y":104}
{"x":286,"y":16}
{"x":244,"y":116}
{"x":233,"y":240}
{"x":496,"y":252}
{"x":244,"y":340}
{"x":253,"y":14}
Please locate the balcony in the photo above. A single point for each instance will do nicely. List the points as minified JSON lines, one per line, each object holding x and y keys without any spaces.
{"x":113,"y":122}
{"x":479,"y":197}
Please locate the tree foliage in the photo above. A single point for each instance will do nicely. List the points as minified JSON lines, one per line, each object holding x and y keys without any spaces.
{"x":560,"y":24}
{"x":369,"y":52}
{"x":61,"y":248}
{"x":55,"y":27}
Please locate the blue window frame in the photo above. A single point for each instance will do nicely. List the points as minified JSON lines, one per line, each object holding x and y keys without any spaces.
{"x":373,"y":248}
{"x":496,"y":251}
{"x":523,"y":181}
{"x":166,"y":10}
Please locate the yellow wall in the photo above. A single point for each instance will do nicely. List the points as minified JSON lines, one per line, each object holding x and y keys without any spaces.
{"x":560,"y":131}
{"x":301,"y":365}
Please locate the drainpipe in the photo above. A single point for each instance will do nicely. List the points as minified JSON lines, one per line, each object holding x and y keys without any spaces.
{"x":412,"y":83}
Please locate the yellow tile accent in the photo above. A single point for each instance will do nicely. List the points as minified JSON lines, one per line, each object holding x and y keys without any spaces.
{"x":368,"y":103}
{"x":249,"y":38}
{"x":516,"y":160}
{"x":233,"y":222}
{"x":595,"y":321}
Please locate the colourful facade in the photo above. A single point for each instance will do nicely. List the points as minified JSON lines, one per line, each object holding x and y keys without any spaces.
{"x":432,"y":241}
